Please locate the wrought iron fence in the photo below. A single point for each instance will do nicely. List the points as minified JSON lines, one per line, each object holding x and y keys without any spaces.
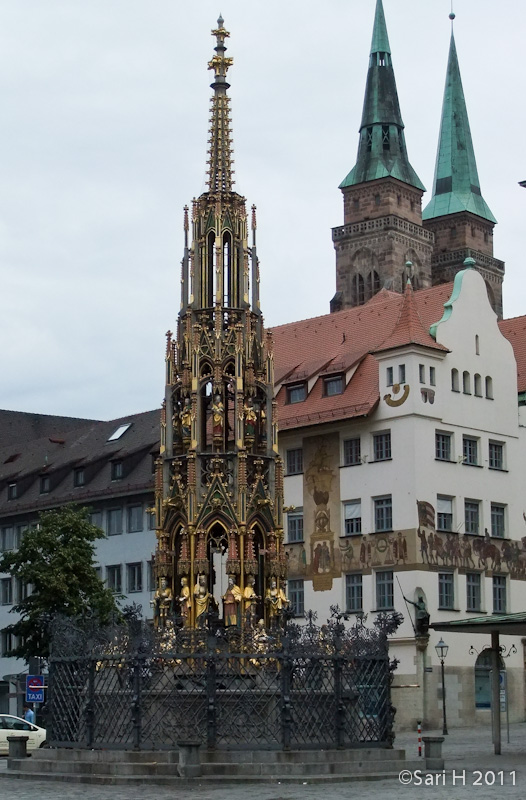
{"x":305,"y":687}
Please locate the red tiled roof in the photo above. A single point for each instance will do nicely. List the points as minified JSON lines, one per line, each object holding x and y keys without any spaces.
{"x":514,"y":330}
{"x":337,"y":342}
{"x":409,"y":328}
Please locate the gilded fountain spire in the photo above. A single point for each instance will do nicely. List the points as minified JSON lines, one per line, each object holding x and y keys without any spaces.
{"x":219,"y":487}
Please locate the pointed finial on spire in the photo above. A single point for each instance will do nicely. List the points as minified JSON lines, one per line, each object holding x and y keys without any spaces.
{"x":452,"y":15}
{"x":220,"y":152}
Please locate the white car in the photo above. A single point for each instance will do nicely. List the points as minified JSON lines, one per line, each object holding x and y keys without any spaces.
{"x":11,"y":726}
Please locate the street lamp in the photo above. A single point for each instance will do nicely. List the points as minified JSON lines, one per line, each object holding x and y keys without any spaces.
{"x":441,"y":651}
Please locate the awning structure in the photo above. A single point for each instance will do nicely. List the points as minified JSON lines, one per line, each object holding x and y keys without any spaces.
{"x":495,"y":624}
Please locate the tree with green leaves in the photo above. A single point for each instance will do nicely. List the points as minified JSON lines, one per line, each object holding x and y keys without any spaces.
{"x":56,"y":559}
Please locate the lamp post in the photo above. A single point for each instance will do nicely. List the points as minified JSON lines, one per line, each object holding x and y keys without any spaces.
{"x":441,"y":651}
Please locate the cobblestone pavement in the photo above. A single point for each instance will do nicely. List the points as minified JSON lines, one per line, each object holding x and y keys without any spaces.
{"x":472,"y":773}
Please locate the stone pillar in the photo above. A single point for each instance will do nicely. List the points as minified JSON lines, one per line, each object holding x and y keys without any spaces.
{"x":17,"y":746}
{"x":189,"y":759}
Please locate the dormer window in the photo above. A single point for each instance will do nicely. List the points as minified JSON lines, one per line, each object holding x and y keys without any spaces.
{"x":116,"y":470}
{"x":333,"y":385}
{"x":79,"y":477}
{"x":296,"y":393}
{"x":12,"y":491}
{"x":386,"y":142}
{"x":45,"y":484}
{"x":369,"y":139}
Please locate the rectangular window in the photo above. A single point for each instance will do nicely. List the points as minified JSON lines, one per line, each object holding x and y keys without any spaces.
{"x":151,"y":576}
{"x":496,"y":455}
{"x":296,"y":597}
{"x":296,"y":394}
{"x":383,"y":513}
{"x":443,"y":446}
{"x":432,"y":376}
{"x":134,"y":577}
{"x":78,"y":477}
{"x":12,"y":491}
{"x":354,"y":592}
{"x":472,"y":516}
{"x":401,"y":373}
{"x":499,"y":594}
{"x":352,"y":452}
{"x":421,"y":373}
{"x":116,"y":470}
{"x":7,"y":539}
{"x":470,"y":451}
{"x":23,"y":590}
{"x":6,"y":591}
{"x":295,"y":527}
{"x":114,"y":521}
{"x":114,"y":578}
{"x":8,"y":642}
{"x":384,"y":591}
{"x":473,"y":591}
{"x":295,"y":461}
{"x":389,"y":376}
{"x":134,"y":518}
{"x":352,"y":515}
{"x":98,"y":572}
{"x":498,"y":514}
{"x":96,"y":518}
{"x":446,"y":591}
{"x":444,"y":513}
{"x":382,"y":446}
{"x":332,"y":386}
{"x":45,"y":484}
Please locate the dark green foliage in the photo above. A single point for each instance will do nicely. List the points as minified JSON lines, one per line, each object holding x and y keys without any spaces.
{"x":56,"y":558}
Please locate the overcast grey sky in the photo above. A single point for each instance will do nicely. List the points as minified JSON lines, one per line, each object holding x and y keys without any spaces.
{"x":104,"y":118}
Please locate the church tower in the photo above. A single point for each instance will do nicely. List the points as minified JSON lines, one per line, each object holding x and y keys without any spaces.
{"x":219,"y":479}
{"x":382,"y":242}
{"x":457,"y":213}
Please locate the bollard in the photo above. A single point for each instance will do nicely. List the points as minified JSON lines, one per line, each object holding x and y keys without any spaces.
{"x":17,"y":746}
{"x":433,"y":752}
{"x":419,"y":729}
{"x":189,"y":759}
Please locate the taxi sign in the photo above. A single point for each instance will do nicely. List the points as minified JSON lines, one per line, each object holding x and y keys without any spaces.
{"x":34,"y":688}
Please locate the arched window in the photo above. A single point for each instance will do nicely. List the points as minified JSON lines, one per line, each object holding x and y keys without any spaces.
{"x":358,"y":290}
{"x":477,"y":344}
{"x":466,"y":383}
{"x":454,"y":381}
{"x":489,"y":388}
{"x":478,"y":385}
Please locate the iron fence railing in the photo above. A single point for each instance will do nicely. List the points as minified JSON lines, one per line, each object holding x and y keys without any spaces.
{"x":306,"y":687}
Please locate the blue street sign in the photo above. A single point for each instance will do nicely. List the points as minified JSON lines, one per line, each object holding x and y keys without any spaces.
{"x":34,"y":688}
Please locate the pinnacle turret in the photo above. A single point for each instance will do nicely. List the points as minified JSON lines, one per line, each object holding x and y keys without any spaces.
{"x":220,"y":153}
{"x":456,"y":186}
{"x":382,"y":150}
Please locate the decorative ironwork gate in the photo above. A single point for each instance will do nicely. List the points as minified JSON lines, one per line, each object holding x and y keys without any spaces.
{"x":306,"y":687}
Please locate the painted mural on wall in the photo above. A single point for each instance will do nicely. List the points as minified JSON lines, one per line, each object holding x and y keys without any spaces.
{"x":468,"y":551}
{"x":320,"y":556}
{"x":374,"y":550}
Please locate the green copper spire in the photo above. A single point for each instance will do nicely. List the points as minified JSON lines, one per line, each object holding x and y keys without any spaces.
{"x":382,"y":150}
{"x":456,"y":185}
{"x":380,"y":42}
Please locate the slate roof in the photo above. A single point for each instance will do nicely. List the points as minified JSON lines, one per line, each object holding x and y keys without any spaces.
{"x":16,"y":426}
{"x":85,"y":445}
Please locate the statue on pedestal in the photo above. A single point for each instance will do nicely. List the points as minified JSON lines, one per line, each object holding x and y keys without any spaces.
{"x":184,"y":601}
{"x":202,"y":602}
{"x":276,"y":601}
{"x":231,"y":600}
{"x":162,"y":602}
{"x":250,"y":599}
